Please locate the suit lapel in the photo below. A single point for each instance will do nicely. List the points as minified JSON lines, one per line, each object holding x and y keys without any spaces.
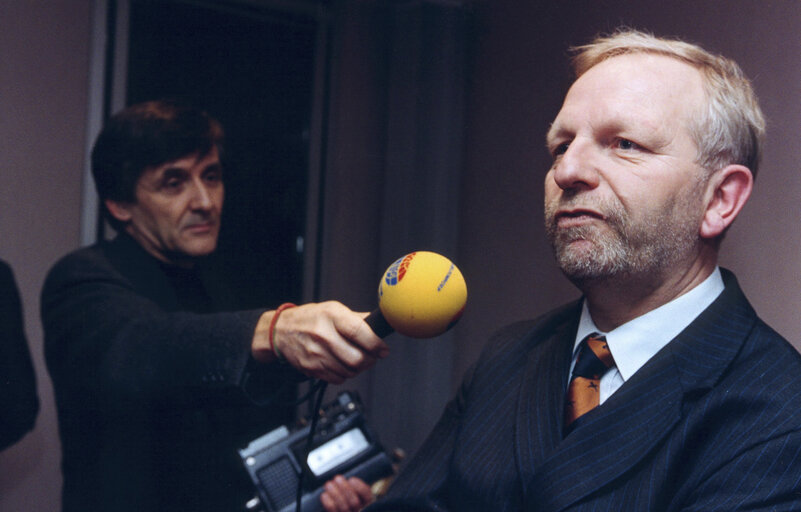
{"x":612,"y":438}
{"x":537,"y":428}
{"x":622,"y":431}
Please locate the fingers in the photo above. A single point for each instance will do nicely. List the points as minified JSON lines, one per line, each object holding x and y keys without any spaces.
{"x":346,"y":495}
{"x":327,"y":341}
{"x":352,"y":326}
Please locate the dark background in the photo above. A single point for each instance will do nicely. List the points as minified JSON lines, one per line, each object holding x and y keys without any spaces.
{"x":255,"y":75}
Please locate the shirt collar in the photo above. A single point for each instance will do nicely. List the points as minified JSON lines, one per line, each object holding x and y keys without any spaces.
{"x":635,"y":342}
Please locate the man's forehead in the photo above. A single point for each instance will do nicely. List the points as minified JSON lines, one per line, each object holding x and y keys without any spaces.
{"x":641,"y":87}
{"x":187,"y":162}
{"x":646,"y":74}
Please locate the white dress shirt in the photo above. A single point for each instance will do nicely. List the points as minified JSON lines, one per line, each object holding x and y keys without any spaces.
{"x":635,"y":342}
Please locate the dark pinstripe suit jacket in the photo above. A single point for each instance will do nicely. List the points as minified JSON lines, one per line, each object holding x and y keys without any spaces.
{"x":712,"y":422}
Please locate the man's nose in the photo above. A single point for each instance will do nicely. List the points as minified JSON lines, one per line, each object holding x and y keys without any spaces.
{"x":577,"y":167}
{"x":201,"y":196}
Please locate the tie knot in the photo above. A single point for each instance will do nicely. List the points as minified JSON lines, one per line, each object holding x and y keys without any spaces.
{"x":594,"y":357}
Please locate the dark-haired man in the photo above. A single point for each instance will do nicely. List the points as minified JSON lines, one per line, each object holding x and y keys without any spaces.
{"x":153,"y":368}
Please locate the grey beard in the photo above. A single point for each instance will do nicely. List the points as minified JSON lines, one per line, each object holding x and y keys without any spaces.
{"x":626,"y":247}
{"x":608,"y":255}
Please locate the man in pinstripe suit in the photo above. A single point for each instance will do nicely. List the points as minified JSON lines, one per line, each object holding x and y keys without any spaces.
{"x":654,"y":154}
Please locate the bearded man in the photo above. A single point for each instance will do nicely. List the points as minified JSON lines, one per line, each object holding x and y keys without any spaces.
{"x":660,"y":389}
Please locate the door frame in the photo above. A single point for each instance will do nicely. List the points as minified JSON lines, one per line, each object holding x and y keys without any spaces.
{"x":107,"y":93}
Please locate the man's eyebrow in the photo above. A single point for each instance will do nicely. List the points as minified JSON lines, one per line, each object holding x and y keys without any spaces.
{"x":554,"y":131}
{"x":171,"y":172}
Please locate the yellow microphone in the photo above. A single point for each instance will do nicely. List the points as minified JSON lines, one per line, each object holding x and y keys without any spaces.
{"x":421,"y":295}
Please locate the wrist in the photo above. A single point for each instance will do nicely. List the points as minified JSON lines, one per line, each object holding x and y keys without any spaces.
{"x":273,"y":323}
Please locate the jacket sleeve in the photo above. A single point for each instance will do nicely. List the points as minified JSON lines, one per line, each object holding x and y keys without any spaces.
{"x":429,"y":482}
{"x":421,"y":485}
{"x":762,"y":477}
{"x":106,"y":340}
{"x":19,"y":403}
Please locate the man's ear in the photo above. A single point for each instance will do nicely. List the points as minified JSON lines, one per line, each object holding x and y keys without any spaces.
{"x":727,"y":192}
{"x":118,"y":210}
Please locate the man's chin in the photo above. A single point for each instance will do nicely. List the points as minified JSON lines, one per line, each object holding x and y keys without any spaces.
{"x":197,"y":248}
{"x":581,"y":271}
{"x":579,"y":264}
{"x":200,"y":252}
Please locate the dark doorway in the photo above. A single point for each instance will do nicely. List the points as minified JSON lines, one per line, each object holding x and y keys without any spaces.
{"x":253,"y":69}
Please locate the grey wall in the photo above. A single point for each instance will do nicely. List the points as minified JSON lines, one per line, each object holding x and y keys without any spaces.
{"x":44,"y":49}
{"x":515,"y":76}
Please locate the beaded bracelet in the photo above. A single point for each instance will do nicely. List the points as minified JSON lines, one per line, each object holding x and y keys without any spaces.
{"x":282,"y":307}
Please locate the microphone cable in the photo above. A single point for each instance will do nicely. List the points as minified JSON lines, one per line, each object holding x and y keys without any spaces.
{"x":319,"y":388}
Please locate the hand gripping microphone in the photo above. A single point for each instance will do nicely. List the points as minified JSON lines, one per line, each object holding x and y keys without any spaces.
{"x":421,"y":295}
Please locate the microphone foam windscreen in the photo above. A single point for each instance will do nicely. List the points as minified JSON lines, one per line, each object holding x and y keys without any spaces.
{"x":422,"y":294}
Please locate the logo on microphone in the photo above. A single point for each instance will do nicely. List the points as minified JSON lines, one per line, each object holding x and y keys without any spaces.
{"x":447,"y":276}
{"x":397,"y":270}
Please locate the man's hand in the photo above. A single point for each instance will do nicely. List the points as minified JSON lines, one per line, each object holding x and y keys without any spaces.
{"x":325,"y":341}
{"x":346,"y":495}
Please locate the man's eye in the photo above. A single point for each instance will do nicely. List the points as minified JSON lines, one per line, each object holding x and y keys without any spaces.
{"x":560,"y":149}
{"x":172,"y":184}
{"x":627,"y":145}
{"x":213,"y":177}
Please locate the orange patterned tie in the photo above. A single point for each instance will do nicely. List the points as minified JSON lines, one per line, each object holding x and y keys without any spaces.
{"x":594,"y":359}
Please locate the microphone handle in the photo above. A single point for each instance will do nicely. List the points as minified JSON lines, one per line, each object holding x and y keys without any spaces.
{"x":379,"y":324}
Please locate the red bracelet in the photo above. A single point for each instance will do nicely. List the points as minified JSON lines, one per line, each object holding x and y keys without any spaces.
{"x":282,"y":307}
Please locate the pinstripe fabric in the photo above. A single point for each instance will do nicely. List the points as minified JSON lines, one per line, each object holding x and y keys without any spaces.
{"x":712,"y":422}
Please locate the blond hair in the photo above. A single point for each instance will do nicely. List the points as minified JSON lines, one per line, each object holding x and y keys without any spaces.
{"x":731,"y":130}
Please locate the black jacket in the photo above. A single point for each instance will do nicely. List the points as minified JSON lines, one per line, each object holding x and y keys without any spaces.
{"x":150,"y":375}
{"x":19,"y":403}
